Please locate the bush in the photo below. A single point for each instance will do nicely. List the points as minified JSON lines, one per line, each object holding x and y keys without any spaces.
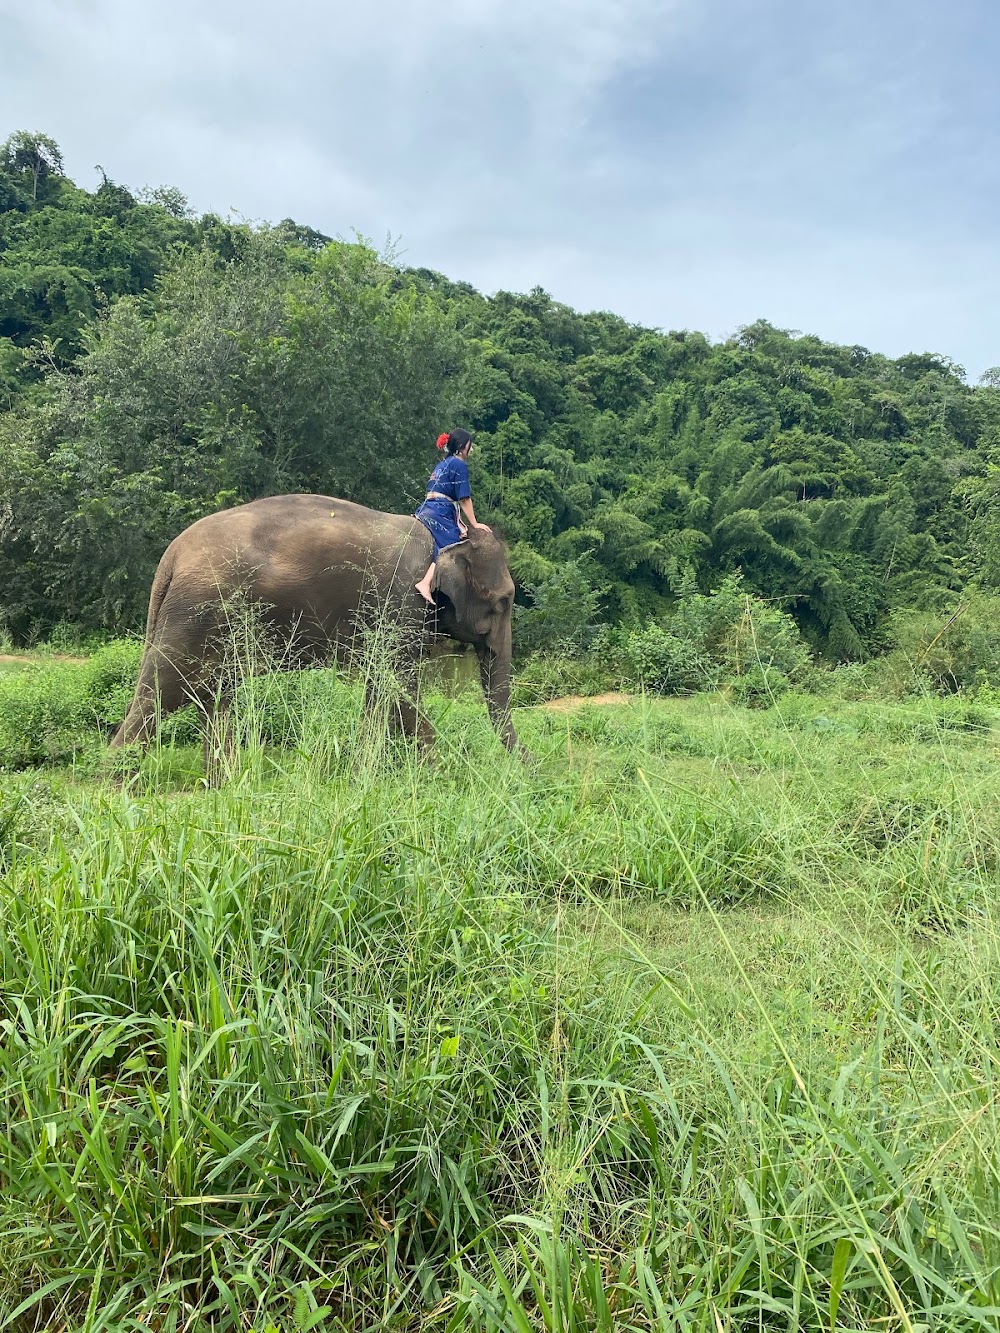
{"x":65,"y":637}
{"x":952,"y":652}
{"x":739,"y":631}
{"x":49,"y":709}
{"x":760,"y":687}
{"x":725,"y":635}
{"x":108,"y":679}
{"x":660,"y":660}
{"x":562,"y":615}
{"x":43,"y":714}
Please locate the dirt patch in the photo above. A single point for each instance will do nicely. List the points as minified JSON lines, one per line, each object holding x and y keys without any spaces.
{"x":25,"y":659}
{"x":570,"y":701}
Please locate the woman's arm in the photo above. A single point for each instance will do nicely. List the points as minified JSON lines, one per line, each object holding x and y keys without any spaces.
{"x":470,"y":514}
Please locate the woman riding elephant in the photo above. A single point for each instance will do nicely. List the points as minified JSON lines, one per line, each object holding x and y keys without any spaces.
{"x":448,"y":491}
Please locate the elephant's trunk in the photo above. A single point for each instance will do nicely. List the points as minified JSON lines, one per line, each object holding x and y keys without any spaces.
{"x":494,"y":672}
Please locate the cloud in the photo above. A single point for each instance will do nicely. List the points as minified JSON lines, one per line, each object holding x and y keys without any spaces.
{"x":690,"y":163}
{"x":387,"y":116}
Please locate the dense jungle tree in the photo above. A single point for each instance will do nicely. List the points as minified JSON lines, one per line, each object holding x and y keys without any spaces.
{"x":155,"y":365}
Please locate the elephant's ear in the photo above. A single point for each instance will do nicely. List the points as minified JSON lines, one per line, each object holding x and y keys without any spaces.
{"x":487,"y":564}
{"x":452,"y":576}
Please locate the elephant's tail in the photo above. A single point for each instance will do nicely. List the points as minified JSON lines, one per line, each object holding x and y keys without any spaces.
{"x":161,"y":585}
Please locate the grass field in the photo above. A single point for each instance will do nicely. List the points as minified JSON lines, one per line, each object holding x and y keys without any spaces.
{"x":690,"y":1025}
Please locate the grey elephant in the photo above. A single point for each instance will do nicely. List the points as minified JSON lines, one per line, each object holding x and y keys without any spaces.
{"x":319,"y":572}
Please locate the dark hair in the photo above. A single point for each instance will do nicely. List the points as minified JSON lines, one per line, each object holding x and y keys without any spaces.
{"x":455,"y":442}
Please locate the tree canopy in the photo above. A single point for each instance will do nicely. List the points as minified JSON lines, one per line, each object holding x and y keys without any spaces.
{"x":155,"y":366}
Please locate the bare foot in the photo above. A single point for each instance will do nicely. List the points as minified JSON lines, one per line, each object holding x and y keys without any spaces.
{"x":425,"y":593}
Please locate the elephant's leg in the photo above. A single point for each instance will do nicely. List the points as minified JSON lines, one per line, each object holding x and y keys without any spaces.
{"x":162,"y":688}
{"x":397,"y":700}
{"x":494,"y":675}
{"x":409,"y":717}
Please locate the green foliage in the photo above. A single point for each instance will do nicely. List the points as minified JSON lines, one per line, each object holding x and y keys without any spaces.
{"x":108,"y":680}
{"x":760,"y":687}
{"x":725,"y":635}
{"x":155,"y":366}
{"x":739,"y":631}
{"x":50,"y":709}
{"x":667,"y":663}
{"x":65,"y":253}
{"x":550,"y":676}
{"x":31,"y":157}
{"x":251,"y":378}
{"x":43,"y":715}
{"x":952,"y":651}
{"x":562,"y":617}
{"x":11,"y":804}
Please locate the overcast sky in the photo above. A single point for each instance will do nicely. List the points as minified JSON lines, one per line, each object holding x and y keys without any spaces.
{"x":832,"y":168}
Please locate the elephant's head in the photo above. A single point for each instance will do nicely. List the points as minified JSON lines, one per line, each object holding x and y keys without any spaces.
{"x":475,"y":591}
{"x":475,"y":595}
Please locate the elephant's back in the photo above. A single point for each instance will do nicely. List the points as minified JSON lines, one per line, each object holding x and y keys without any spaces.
{"x":295,"y":537}
{"x":282,"y":510}
{"x":274,"y":516}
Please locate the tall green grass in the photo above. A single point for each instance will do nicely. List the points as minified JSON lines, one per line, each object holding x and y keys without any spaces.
{"x":689,"y":1026}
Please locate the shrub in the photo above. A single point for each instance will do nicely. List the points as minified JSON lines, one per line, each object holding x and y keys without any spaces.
{"x":662,"y":661}
{"x":49,"y":709}
{"x":562,"y":615}
{"x":108,"y":679}
{"x":65,"y":637}
{"x":951,"y":652}
{"x":760,"y":687}
{"x":739,"y":631}
{"x":43,"y":714}
{"x":541,"y":678}
{"x":725,"y":635}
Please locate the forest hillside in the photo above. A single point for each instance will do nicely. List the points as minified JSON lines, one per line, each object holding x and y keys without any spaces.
{"x":156,"y":365}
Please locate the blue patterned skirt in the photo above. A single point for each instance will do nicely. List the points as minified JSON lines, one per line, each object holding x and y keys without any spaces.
{"x":438,"y":517}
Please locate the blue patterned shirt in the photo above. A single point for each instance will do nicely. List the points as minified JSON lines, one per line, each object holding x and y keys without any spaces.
{"x":451,"y":478}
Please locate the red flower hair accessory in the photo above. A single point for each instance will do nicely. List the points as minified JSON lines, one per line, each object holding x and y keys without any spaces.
{"x":442,"y":440}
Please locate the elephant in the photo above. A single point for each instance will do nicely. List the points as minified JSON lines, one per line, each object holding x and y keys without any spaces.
{"x":318,"y":572}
